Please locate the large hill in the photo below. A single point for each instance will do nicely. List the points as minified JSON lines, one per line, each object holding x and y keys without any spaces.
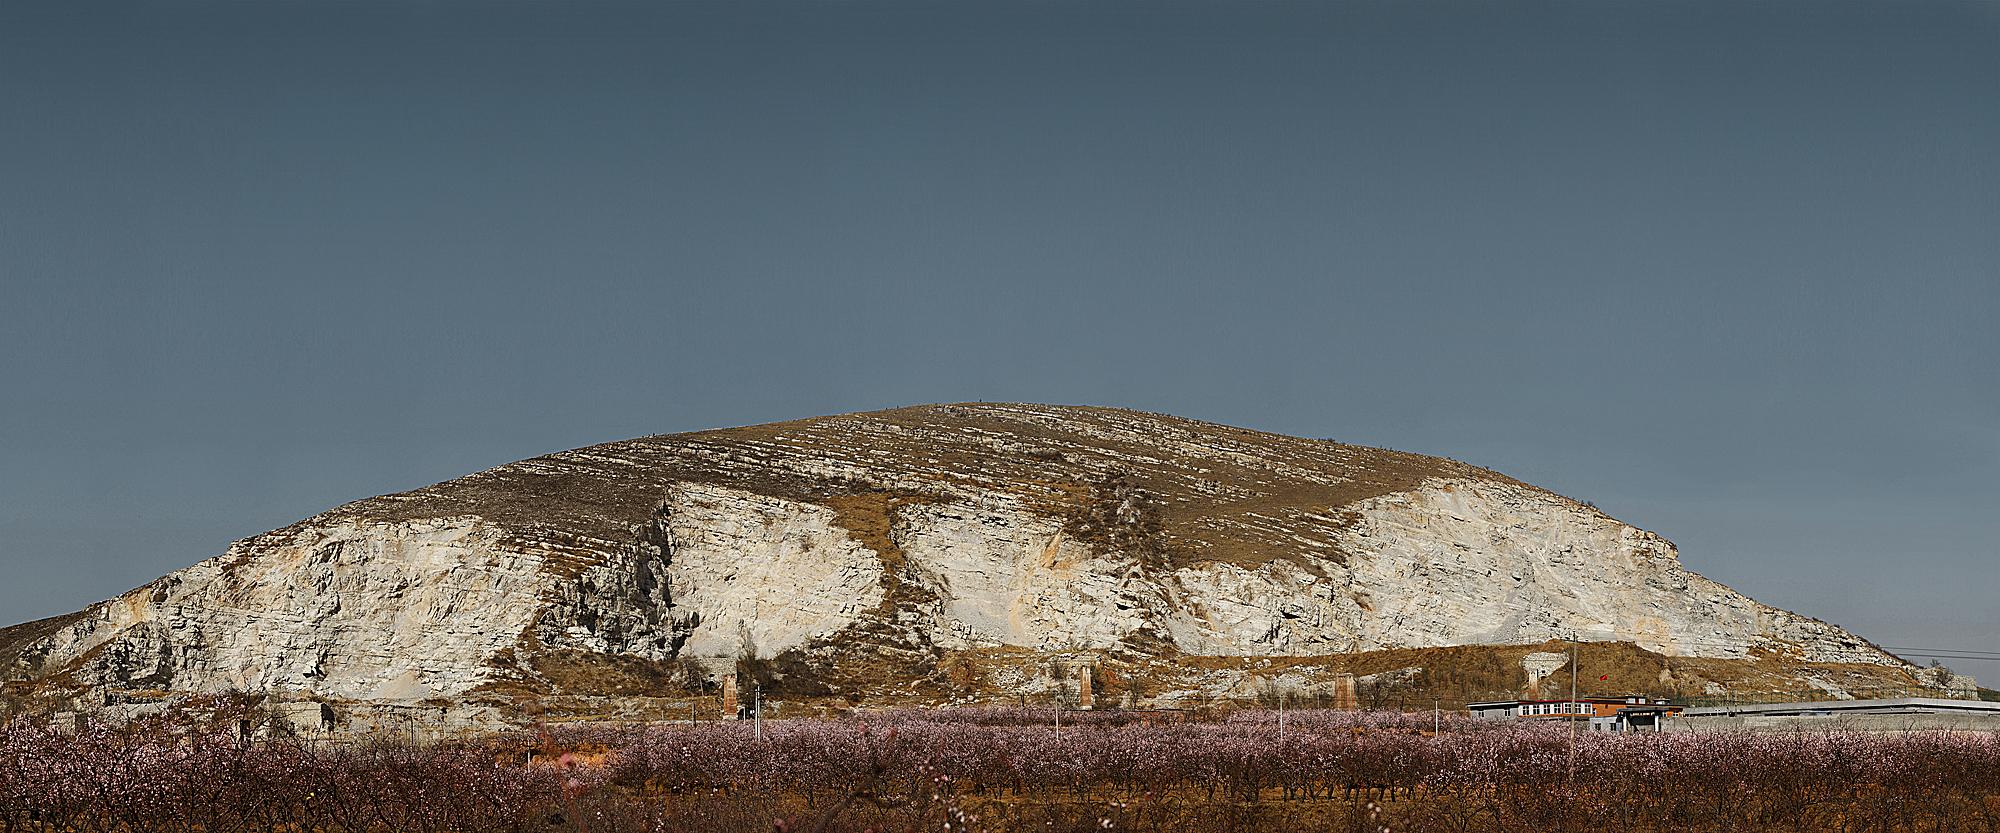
{"x":937,"y":552}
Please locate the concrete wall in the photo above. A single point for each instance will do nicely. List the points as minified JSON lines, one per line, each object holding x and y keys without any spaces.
{"x":1835,"y":723}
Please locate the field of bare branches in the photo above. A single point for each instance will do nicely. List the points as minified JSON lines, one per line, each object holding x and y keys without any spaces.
{"x":1004,"y":770}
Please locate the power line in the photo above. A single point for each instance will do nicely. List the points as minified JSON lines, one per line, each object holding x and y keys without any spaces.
{"x":1746,"y":645}
{"x":1995,"y":655}
{"x":1965,"y":654}
{"x":1953,"y":657}
{"x":1857,"y":650}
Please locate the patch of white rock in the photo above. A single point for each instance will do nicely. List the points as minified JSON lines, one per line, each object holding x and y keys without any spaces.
{"x":408,"y":610}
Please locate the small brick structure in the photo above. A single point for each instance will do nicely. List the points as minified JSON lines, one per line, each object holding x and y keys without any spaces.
{"x":729,"y":697}
{"x":1085,"y":698}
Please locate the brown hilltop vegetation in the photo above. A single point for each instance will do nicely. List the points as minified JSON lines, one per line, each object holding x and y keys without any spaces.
{"x":1221,"y":493}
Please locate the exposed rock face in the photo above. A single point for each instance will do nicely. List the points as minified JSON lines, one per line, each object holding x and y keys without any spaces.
{"x":907,"y":535}
{"x":385,"y":610}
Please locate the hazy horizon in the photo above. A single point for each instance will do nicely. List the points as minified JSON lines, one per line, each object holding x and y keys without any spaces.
{"x":1728,"y":271}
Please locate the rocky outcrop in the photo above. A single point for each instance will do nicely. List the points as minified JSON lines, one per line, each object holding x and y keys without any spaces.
{"x":913,"y":534}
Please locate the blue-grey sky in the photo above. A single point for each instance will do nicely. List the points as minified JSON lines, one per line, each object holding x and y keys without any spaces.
{"x":1729,"y":270}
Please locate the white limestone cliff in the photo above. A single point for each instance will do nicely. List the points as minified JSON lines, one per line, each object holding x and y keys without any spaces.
{"x":436,"y":593}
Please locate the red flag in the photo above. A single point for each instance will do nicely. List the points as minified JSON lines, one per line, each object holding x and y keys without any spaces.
{"x":1605,"y":677}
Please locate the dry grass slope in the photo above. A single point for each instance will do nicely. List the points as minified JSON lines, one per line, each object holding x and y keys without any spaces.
{"x":1222,"y":493}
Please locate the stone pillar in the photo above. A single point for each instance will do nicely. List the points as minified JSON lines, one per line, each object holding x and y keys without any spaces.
{"x":729,"y":696}
{"x":1084,"y":697}
{"x":1344,"y":696}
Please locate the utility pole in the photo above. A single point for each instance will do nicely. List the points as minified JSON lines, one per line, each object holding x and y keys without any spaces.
{"x":1572,"y":718}
{"x":1281,"y":714}
{"x":1437,"y":717}
{"x":757,"y":710}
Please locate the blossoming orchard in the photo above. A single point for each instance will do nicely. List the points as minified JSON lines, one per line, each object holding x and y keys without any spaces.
{"x":1003,"y":770}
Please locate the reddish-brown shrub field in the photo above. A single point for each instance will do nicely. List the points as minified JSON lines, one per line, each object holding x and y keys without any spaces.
{"x":1005,"y":770}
